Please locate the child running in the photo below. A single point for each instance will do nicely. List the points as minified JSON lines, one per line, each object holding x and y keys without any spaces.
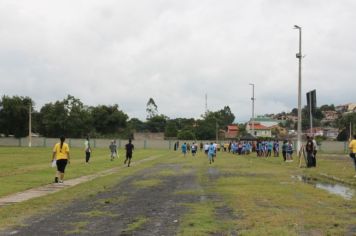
{"x":129,"y":149}
{"x":184,"y":149}
{"x":113,"y":150}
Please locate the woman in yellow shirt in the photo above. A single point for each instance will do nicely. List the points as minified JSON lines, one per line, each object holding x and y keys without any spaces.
{"x":61,"y":155}
{"x":352,"y":147}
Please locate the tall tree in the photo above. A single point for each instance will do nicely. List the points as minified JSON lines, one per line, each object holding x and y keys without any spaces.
{"x":68,"y":117}
{"x":14,"y":115}
{"x":53,"y":118}
{"x":151,"y":108}
{"x":108,"y":119}
{"x":171,"y":129}
{"x":344,"y":126}
{"x":156,"y":123}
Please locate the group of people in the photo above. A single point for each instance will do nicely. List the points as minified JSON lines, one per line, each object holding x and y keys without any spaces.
{"x":61,"y":155}
{"x":187,"y":148}
{"x":263,"y":148}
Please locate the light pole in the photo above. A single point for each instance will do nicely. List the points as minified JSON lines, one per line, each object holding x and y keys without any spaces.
{"x":29,"y":127}
{"x":253,"y":109}
{"x":299,"y":56}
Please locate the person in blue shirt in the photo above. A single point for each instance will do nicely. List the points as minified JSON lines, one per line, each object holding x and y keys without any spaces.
{"x":211,"y":152}
{"x":284,"y":150}
{"x":248,"y":148}
{"x":184,"y":149}
{"x":276,"y":148}
{"x":269,"y":148}
{"x":289,"y":152}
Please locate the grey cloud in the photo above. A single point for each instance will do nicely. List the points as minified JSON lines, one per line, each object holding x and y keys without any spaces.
{"x":124,"y":52}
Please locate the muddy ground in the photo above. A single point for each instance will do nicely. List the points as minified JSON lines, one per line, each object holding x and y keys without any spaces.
{"x":129,"y":209}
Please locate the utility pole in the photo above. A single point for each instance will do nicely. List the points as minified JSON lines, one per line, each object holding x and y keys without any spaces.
{"x":206,"y":103}
{"x":299,"y":56}
{"x":29,"y":127}
{"x":311,"y":114}
{"x":253,"y":109}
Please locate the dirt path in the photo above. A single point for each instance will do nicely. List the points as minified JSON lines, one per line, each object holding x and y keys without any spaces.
{"x":126,"y":209}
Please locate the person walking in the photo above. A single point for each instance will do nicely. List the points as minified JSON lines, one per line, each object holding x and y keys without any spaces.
{"x":194,"y":149}
{"x":184,"y":149}
{"x":61,"y":155}
{"x":129,"y":149}
{"x":87,"y":150}
{"x":289,"y":151}
{"x":309,"y":148}
{"x":113,"y":150}
{"x":211,"y":152}
{"x":352,"y":147}
{"x":315,"y":146}
{"x":284,"y":150}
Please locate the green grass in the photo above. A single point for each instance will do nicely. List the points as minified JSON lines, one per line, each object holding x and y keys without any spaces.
{"x":15,"y":214}
{"x":264,"y":198}
{"x":25,"y":168}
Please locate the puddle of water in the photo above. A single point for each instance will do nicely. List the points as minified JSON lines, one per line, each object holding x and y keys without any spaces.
{"x":338,"y":189}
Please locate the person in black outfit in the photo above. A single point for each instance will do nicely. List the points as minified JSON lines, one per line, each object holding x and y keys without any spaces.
{"x":129,"y":148}
{"x":309,"y":148}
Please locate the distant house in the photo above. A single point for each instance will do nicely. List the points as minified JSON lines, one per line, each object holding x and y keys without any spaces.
{"x":330,"y":116}
{"x":232,"y":131}
{"x":331,"y":133}
{"x":350,"y":107}
{"x":259,"y":130}
{"x":279,"y":131}
{"x":266,"y":121}
{"x":317,"y":131}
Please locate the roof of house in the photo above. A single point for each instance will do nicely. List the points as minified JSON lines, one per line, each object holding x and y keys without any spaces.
{"x":265,"y":119}
{"x":258,"y":126}
{"x":232,"y":128}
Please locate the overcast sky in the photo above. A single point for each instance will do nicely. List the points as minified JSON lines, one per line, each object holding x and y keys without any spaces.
{"x":126,"y":51}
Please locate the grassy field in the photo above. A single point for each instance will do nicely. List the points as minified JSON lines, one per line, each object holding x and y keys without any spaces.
{"x":262,"y":196}
{"x":25,"y":168}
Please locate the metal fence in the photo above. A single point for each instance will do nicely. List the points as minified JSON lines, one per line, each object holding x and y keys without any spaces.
{"x":326,"y":146}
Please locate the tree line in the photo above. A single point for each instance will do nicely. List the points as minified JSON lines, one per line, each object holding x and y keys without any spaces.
{"x":72,"y":118}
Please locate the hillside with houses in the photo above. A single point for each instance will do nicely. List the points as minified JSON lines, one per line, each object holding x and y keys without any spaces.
{"x":329,"y":122}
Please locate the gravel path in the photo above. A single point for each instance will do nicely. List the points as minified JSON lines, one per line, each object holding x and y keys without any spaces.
{"x":125,"y":209}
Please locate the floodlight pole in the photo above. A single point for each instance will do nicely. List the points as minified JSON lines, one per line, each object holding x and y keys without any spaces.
{"x":253,"y":109}
{"x":311,"y":114}
{"x":299,"y":56}
{"x":29,"y":127}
